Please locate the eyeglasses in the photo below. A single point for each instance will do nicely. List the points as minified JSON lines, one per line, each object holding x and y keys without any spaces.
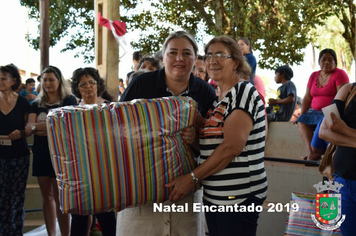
{"x":217,"y":56}
{"x":91,"y":83}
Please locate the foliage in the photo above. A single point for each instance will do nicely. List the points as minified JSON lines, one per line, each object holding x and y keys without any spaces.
{"x":329,"y":35}
{"x":279,"y":29}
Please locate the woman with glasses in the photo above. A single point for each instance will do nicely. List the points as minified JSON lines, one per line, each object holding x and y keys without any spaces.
{"x":54,"y":93}
{"x":232,"y":141}
{"x":88,"y":86}
{"x":175,"y":78}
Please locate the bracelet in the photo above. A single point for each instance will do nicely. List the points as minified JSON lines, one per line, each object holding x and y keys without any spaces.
{"x":195,"y":179}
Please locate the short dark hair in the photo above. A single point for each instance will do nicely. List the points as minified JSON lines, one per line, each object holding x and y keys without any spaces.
{"x":328,"y":50}
{"x":14,"y":72}
{"x":30,"y":80}
{"x":137,"y":55}
{"x":153,"y":61}
{"x":79,"y":73}
{"x":286,"y":71}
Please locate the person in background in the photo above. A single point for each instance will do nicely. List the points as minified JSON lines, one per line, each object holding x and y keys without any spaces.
{"x":342,"y":132}
{"x":55,"y":93}
{"x":232,"y":141}
{"x":321,"y":89}
{"x":121,"y":87}
{"x":282,"y":108}
{"x":136,"y":57}
{"x":88,"y":86}
{"x":38,"y":88}
{"x":14,"y":152}
{"x":135,"y":74}
{"x":246,"y":49}
{"x":29,"y":93}
{"x":260,"y":86}
{"x":201,"y":72}
{"x":148,"y":64}
{"x":175,"y":78}
{"x":297,"y":110}
{"x":158,"y":56}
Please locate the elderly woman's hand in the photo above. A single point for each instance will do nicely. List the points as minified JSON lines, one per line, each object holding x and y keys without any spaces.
{"x":182,"y":186}
{"x":14,"y":135}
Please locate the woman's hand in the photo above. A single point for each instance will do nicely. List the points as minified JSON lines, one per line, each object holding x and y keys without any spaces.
{"x":189,"y":134}
{"x":28,"y":129}
{"x":182,"y":186}
{"x":338,"y":125}
{"x":14,"y":135}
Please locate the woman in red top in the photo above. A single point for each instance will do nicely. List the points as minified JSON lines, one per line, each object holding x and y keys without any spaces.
{"x":321,"y":89}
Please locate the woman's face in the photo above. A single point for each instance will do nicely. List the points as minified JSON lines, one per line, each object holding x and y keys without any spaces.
{"x":50,"y":82}
{"x":327,"y":63}
{"x":220,"y":69}
{"x":147,"y":66}
{"x":179,"y":59}
{"x":88,"y":87}
{"x":200,"y":69}
{"x":6,"y":82}
{"x":245,"y":49}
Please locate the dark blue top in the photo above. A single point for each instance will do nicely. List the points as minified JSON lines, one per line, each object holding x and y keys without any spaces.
{"x":153,"y":85}
{"x":251,"y":60}
{"x":10,"y":122}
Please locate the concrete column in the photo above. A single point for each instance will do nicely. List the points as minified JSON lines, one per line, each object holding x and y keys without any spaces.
{"x":106,"y":47}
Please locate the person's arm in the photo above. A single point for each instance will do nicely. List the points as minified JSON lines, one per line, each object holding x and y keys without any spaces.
{"x":41,"y":128}
{"x":286,"y":100}
{"x":339,"y":133}
{"x":237,"y":128}
{"x":306,"y":102}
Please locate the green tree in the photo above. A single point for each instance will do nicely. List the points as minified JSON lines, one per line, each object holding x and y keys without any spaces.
{"x":279,"y":29}
{"x":329,"y":35}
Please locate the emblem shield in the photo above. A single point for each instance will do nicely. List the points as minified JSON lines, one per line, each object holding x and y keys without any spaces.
{"x":328,"y":208}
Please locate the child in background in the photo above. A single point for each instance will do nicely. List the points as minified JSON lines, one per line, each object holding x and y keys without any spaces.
{"x":29,"y":92}
{"x":282,"y":108}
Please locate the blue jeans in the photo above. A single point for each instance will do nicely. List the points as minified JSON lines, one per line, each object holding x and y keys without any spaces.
{"x":234,"y":223}
{"x":348,"y":205}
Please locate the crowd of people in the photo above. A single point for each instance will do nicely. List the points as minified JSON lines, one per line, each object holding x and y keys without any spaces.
{"x":228,"y":137}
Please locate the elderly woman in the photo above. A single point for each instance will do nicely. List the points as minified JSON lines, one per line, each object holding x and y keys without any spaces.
{"x":342,"y":132}
{"x":232,"y":141}
{"x":321,"y":89}
{"x":88,"y":86}
{"x":176,"y":78}
{"x":54,"y":93}
{"x":15,"y":155}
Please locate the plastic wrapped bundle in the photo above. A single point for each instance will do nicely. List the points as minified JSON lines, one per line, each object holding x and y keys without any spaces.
{"x":113,"y":156}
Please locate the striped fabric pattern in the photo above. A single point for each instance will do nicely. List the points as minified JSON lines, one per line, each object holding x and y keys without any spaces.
{"x":300,"y":223}
{"x":113,"y":156}
{"x":245,"y":176}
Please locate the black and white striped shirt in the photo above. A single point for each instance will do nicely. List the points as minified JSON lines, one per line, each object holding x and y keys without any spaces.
{"x":245,"y":176}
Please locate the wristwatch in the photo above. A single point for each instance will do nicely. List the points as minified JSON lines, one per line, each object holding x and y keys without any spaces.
{"x":33,"y":127}
{"x":195,"y":179}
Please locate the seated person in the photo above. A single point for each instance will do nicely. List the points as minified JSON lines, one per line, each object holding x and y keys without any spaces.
{"x":282,"y":108}
{"x":298,"y":109}
{"x":29,"y":92}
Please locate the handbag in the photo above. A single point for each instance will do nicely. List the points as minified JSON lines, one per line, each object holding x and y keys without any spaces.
{"x":326,"y":167}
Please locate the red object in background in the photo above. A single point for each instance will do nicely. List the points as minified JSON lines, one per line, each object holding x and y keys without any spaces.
{"x":120,"y":27}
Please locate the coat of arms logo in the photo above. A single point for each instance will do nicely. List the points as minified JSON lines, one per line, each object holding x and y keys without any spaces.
{"x":328,"y":214}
